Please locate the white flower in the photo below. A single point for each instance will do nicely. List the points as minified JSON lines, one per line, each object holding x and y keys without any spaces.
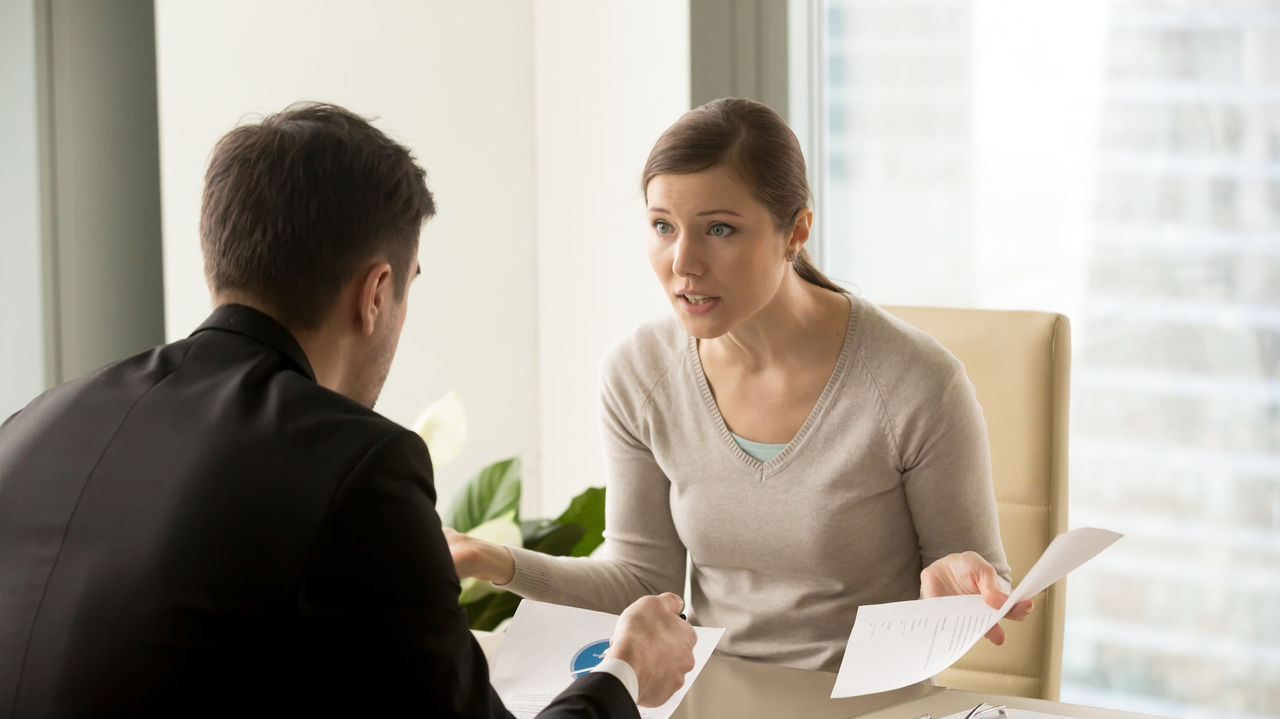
{"x":443,"y":426}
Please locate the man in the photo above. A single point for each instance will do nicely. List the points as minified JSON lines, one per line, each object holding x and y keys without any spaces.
{"x":223,"y":525}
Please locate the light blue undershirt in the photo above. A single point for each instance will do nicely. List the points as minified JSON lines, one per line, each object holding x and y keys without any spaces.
{"x":759,"y":450}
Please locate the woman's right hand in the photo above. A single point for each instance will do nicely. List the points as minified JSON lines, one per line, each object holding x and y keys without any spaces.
{"x":480,"y":559}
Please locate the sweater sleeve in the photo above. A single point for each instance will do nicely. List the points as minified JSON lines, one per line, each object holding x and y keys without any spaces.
{"x":642,"y":553}
{"x":946,"y":469}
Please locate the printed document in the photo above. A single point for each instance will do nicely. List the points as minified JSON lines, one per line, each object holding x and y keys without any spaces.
{"x":900,"y":643}
{"x":547,"y":646}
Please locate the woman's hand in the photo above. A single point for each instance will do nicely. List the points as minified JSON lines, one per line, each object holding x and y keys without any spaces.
{"x":969,"y":573}
{"x":480,"y":559}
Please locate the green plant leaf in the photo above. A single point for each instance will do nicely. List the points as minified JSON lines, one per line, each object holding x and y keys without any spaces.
{"x":555,"y":539}
{"x":587,"y":511}
{"x":489,"y":612}
{"x":530,"y":527}
{"x":535,"y":530}
{"x":492,"y":492}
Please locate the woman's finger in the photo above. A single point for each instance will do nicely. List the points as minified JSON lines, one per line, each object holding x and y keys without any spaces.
{"x":996,"y":635}
{"x":1020,"y":610}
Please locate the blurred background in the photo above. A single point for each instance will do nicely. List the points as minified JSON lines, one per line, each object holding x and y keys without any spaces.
{"x":1114,"y":160}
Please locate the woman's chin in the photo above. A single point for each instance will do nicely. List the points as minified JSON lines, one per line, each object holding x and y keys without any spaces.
{"x":702,"y":327}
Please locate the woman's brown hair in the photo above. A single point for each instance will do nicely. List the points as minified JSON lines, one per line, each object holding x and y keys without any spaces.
{"x":754,"y":143}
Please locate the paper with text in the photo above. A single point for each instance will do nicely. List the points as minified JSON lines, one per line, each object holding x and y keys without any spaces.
{"x":547,"y":646}
{"x":900,"y":643}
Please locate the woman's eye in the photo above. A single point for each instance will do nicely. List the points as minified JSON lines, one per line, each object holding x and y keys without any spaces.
{"x":720,"y":229}
{"x":662,"y":226}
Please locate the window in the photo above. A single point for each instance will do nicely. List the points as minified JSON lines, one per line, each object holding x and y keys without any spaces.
{"x":1118,"y":162}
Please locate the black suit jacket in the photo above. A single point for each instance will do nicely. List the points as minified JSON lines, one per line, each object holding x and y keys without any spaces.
{"x":202,"y":529}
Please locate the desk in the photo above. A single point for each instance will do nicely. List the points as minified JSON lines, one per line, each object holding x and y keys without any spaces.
{"x":735,"y":689}
{"x":945,"y":702}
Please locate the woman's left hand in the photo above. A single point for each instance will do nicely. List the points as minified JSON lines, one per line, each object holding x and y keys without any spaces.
{"x":969,"y":573}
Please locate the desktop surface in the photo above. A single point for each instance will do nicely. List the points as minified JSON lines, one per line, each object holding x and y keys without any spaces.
{"x":947,"y":702}
{"x":736,"y":689}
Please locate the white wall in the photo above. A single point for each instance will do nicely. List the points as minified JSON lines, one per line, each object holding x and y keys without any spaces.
{"x":609,"y":77}
{"x":533,"y":120}
{"x":22,"y":361}
{"x":453,"y":81}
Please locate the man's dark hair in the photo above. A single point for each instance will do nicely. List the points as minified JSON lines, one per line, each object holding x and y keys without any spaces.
{"x":296,"y":204}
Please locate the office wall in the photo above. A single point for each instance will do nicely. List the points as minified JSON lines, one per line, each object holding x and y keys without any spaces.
{"x":532,"y":119}
{"x":609,"y":77}
{"x":22,"y":369}
{"x":453,"y":81}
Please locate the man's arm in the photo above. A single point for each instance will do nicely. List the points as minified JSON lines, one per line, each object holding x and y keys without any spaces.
{"x":380,"y":610}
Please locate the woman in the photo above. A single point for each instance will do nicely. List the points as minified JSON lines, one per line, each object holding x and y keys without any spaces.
{"x":805,"y":450}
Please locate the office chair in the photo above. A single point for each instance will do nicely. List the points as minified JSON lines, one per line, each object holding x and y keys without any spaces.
{"x":1019,"y":363}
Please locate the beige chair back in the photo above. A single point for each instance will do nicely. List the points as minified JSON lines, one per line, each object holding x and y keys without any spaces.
{"x":1019,"y":363}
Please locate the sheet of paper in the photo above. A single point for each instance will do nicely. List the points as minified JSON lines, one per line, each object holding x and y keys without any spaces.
{"x":548,"y":645}
{"x":893,"y":645}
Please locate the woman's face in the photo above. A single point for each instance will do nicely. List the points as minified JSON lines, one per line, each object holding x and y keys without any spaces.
{"x":714,"y":248}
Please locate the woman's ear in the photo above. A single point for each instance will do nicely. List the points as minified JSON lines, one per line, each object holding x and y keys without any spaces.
{"x":800,"y":231}
{"x":373,"y":296}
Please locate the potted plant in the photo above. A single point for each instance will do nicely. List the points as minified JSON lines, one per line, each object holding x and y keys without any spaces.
{"x":488,"y":507}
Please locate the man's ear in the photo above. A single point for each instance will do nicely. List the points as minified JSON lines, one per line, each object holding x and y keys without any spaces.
{"x":373,"y":296}
{"x":800,"y":230}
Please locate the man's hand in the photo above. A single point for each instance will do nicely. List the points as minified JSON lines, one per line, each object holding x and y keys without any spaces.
{"x":480,"y":559}
{"x":969,"y":573}
{"x":657,"y":643}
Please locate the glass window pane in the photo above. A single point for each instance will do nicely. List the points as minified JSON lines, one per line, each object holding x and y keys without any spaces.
{"x":1117,"y":161}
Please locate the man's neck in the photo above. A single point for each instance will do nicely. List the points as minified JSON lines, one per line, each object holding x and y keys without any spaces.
{"x":323,"y":346}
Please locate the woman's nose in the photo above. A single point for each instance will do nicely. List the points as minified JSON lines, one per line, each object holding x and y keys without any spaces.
{"x":686,"y":261}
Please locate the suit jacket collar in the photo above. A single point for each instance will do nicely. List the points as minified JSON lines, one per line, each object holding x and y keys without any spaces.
{"x":260,"y":326}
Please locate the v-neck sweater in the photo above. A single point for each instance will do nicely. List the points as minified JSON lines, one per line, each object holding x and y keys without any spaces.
{"x":890,"y":471}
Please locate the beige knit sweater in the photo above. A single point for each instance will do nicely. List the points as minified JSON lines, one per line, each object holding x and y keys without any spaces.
{"x":890,"y":471}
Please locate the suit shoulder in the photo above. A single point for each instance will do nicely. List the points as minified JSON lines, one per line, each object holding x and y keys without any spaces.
{"x":329,"y":413}
{"x":105,"y":392}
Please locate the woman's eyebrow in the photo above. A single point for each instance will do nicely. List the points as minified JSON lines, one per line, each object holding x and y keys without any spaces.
{"x":700,"y":214}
